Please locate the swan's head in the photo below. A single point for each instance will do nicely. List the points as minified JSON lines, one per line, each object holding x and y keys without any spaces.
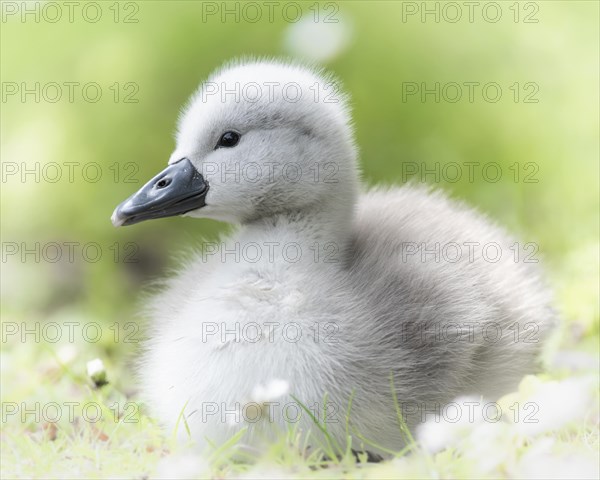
{"x":257,"y":139}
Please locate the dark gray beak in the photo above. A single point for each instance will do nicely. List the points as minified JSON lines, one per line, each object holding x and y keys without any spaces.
{"x":176,"y":190}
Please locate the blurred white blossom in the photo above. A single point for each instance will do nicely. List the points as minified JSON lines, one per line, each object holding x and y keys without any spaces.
{"x":488,"y":446}
{"x":553,"y":405}
{"x":317,"y":38}
{"x":67,"y":353}
{"x":272,"y":391}
{"x":182,"y":466}
{"x":543,"y":460}
{"x":443,"y":431}
{"x":96,"y":371}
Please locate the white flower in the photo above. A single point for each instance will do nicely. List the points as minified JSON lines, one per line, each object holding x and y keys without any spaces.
{"x":67,"y":353}
{"x":435,"y":436}
{"x":319,"y":41}
{"x":257,"y":406}
{"x":267,"y":472}
{"x":554,"y":405}
{"x":454,"y":422}
{"x":96,"y":371}
{"x":272,"y":391}
{"x":488,"y":446}
{"x":182,"y":466}
{"x":574,"y":360}
{"x":543,"y":460}
{"x":95,"y":367}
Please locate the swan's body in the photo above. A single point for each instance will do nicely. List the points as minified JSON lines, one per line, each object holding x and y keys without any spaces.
{"x":330,"y":290}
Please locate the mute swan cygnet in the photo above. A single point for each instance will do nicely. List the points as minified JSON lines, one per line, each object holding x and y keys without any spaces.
{"x":326,"y":292}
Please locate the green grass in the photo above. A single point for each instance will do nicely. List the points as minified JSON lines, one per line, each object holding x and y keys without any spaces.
{"x":118,"y":449}
{"x":126,"y":443}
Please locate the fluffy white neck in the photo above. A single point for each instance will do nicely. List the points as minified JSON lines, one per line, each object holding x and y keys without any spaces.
{"x":322,"y":232}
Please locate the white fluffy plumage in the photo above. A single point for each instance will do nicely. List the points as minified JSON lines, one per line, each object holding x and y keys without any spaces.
{"x":362,"y":303}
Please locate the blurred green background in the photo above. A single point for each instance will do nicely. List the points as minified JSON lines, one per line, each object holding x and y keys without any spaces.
{"x":159,"y":51}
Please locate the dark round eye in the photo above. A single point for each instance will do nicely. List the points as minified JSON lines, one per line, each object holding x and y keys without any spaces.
{"x":228,"y":140}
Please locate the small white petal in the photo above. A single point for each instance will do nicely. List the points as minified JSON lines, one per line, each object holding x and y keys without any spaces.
{"x":181,"y":466}
{"x":94,"y":367}
{"x":554,"y":405}
{"x":318,"y":41}
{"x":96,"y":371}
{"x":272,"y":391}
{"x":67,"y":353}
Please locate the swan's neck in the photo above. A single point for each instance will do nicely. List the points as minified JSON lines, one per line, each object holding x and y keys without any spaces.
{"x":323,"y":230}
{"x":325,"y":222}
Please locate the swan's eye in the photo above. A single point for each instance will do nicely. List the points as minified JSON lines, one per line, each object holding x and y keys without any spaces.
{"x":228,"y":140}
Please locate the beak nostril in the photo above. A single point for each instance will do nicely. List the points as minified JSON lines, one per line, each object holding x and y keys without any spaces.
{"x":177,"y":190}
{"x":165,"y":182}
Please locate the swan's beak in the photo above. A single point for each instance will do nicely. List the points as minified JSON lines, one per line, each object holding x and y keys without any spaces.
{"x":176,"y":190}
